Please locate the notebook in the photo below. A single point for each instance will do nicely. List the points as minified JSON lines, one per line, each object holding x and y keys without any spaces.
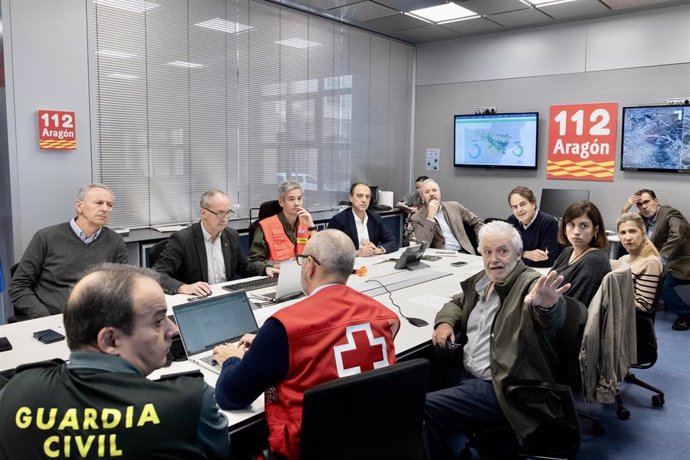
{"x":289,"y":284}
{"x":212,"y":321}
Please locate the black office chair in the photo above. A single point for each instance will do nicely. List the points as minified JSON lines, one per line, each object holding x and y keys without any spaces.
{"x":472,"y":236}
{"x":17,"y":316}
{"x":373,"y":415}
{"x":554,"y":438}
{"x":647,"y":355}
{"x":267,"y":209}
{"x":156,"y":252}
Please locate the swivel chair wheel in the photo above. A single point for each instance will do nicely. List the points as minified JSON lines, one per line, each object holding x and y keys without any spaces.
{"x":658,"y":400}
{"x":623,"y":413}
{"x":597,"y":428}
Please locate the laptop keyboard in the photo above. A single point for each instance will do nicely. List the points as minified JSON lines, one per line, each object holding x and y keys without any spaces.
{"x":209,"y":360}
{"x":252,"y":285}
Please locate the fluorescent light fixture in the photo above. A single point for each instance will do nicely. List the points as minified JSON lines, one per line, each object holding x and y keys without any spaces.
{"x":299,"y":43}
{"x":115,"y":54}
{"x":224,"y":25}
{"x":538,"y":3}
{"x":133,"y":6}
{"x":122,"y":76}
{"x":442,"y":14}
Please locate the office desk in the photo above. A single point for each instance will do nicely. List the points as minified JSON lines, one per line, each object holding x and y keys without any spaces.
{"x":420,"y":301}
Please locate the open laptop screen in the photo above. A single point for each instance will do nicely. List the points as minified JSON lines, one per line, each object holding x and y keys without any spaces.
{"x":208,"y":322}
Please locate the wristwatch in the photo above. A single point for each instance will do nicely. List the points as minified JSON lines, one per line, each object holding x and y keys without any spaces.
{"x":311,"y":229}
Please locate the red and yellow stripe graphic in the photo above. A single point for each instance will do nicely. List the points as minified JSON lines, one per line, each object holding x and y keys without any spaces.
{"x":58,"y":145}
{"x":568,"y":169}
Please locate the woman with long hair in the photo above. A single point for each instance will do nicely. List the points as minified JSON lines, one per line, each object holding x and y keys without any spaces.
{"x":642,"y":257}
{"x":583,"y":263}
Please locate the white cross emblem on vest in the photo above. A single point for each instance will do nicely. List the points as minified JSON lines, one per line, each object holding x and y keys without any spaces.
{"x":351,"y":348}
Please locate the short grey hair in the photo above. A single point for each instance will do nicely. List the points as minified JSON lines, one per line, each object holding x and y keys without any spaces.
{"x":81,"y":194}
{"x":287,"y":187}
{"x":206,"y":198}
{"x":429,"y":181}
{"x":500,"y":229}
{"x":335,"y":252}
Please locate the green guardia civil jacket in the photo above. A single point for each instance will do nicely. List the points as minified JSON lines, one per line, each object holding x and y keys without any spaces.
{"x":521,"y":337}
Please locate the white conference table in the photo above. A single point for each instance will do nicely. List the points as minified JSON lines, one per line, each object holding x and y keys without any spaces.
{"x":420,"y":301}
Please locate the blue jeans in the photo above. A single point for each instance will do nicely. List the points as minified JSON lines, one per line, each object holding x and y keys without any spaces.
{"x":671,"y":299}
{"x":472,"y":402}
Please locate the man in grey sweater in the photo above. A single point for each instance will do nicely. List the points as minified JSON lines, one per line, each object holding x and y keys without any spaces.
{"x":58,"y":255}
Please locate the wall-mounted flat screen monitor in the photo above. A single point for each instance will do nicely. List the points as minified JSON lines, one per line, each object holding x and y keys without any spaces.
{"x":656,"y":138}
{"x":555,"y":201}
{"x":496,"y":140}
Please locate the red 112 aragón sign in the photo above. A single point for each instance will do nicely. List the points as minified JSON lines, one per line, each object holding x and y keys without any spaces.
{"x":56,"y":130}
{"x":582,"y":141}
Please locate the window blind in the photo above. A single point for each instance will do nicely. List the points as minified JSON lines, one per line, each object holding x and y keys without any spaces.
{"x":241,"y":95}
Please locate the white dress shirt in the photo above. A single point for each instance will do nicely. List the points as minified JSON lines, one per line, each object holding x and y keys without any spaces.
{"x":214,"y":258}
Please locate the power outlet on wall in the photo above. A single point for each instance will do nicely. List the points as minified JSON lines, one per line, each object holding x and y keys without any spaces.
{"x":484,"y":110}
{"x":678,"y":101}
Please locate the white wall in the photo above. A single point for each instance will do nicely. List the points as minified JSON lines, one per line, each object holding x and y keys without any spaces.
{"x":651,"y":38}
{"x":46,"y":65}
{"x":634,"y":59}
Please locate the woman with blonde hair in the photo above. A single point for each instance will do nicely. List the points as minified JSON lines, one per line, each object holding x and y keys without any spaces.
{"x":642,"y":257}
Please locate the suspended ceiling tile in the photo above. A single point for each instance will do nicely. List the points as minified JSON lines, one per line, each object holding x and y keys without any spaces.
{"x":429,"y":33}
{"x":485,"y":7}
{"x":397,"y":22}
{"x":626,"y":4}
{"x":363,"y":11}
{"x":473,"y":26}
{"x":576,"y":9}
{"x":529,"y":17}
{"x":409,"y":5}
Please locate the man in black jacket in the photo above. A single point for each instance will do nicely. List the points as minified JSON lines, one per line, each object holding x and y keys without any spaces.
{"x":206,"y":252}
{"x":100,"y":404}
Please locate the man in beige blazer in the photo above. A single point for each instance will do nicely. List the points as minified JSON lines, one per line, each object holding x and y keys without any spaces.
{"x":441,"y":223}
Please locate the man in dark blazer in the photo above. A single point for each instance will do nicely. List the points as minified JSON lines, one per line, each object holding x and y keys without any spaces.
{"x":365,"y":228}
{"x":206,"y":252}
{"x":669,"y":231}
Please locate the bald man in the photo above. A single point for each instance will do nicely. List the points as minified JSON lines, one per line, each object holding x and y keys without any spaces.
{"x":302,"y":345}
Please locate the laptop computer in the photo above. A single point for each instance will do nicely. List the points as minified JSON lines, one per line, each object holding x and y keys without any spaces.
{"x":212,"y":321}
{"x":289,"y":284}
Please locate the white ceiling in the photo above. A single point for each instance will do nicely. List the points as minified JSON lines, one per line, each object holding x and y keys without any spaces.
{"x":385,"y":16}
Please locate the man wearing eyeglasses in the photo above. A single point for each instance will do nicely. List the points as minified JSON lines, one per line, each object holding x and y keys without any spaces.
{"x":334,"y":332}
{"x":669,"y":231}
{"x":205,"y":253}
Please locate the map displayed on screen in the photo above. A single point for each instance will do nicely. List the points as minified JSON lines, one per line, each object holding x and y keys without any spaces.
{"x":656,"y":138}
{"x":497,"y":140}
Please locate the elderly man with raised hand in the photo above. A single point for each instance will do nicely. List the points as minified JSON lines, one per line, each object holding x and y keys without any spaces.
{"x":668,"y":229}
{"x":57,"y":256}
{"x":206,"y":252}
{"x":100,"y":404}
{"x":441,"y":223}
{"x":506,"y":316}
{"x":303,"y":344}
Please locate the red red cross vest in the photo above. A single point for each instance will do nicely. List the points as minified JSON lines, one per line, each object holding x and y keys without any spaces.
{"x":334,"y":333}
{"x":279,"y":245}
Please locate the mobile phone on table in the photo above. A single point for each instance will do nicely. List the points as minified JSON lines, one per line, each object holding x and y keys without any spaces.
{"x":459,"y":263}
{"x":48,"y":336}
